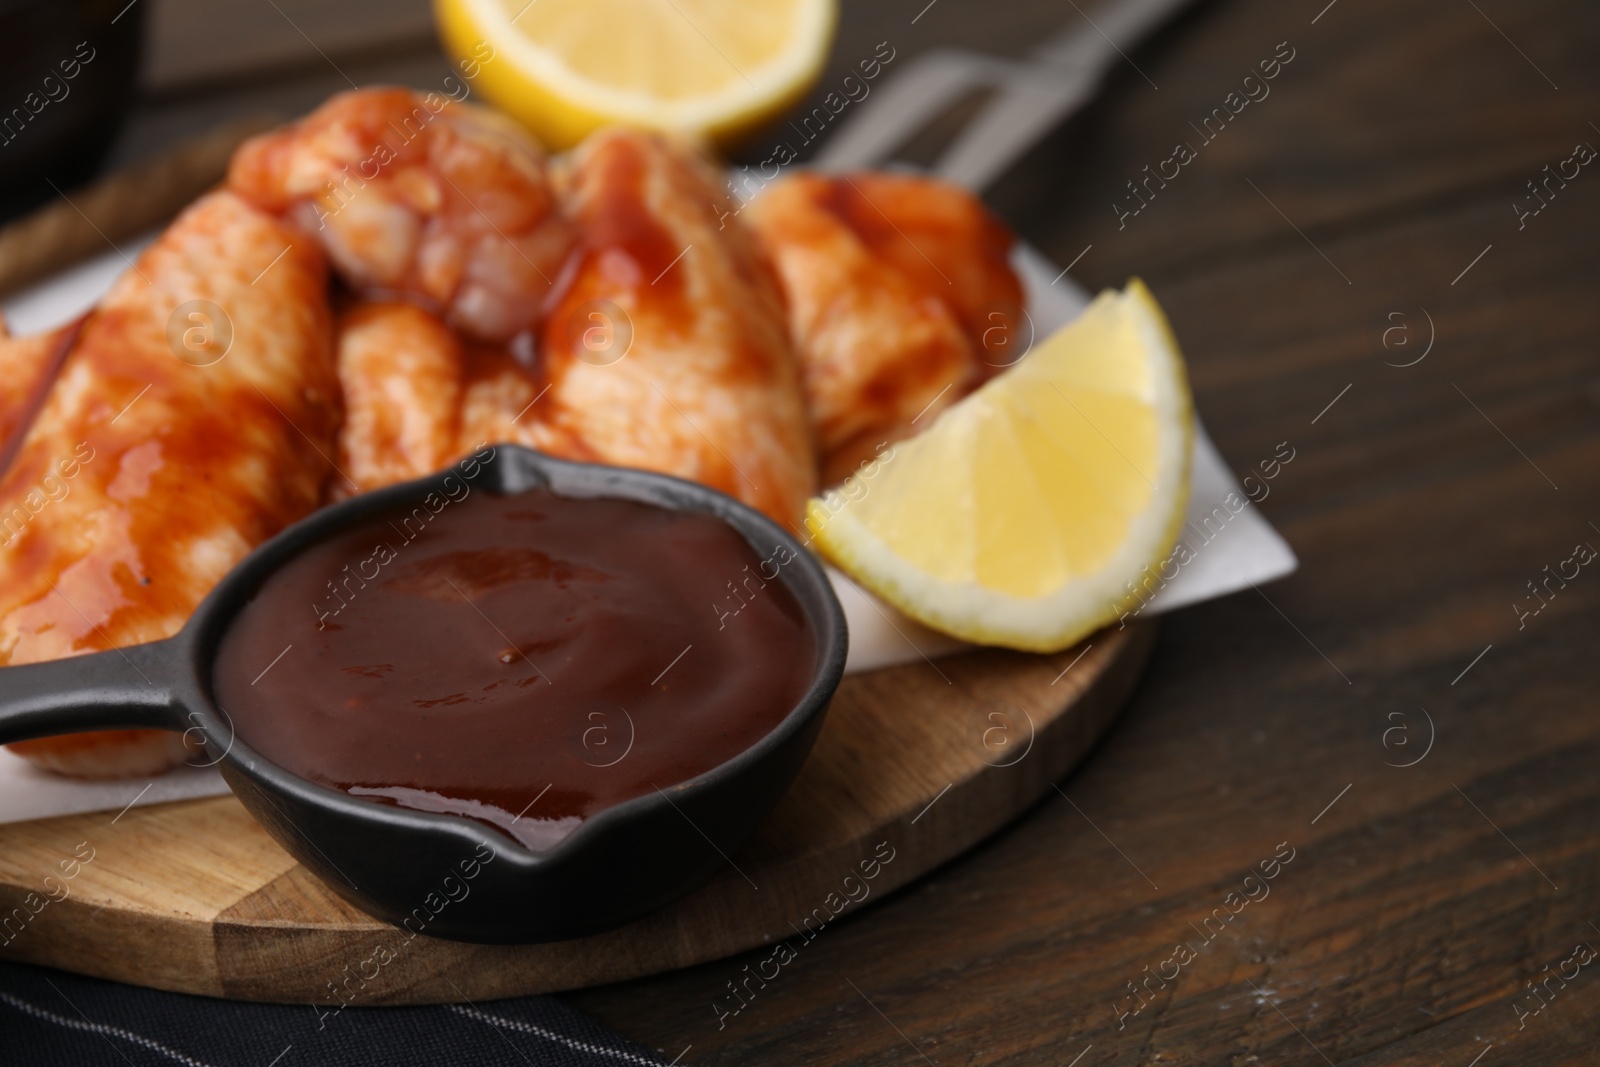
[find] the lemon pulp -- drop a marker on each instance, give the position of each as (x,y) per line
(567,67)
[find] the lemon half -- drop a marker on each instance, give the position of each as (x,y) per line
(568,67)
(1027,512)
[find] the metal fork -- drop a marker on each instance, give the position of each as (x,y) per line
(1032,96)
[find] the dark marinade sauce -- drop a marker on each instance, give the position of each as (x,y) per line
(524,660)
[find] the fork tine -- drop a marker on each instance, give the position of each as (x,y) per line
(1010,124)
(906,103)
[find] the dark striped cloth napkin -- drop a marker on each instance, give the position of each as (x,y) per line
(53,1019)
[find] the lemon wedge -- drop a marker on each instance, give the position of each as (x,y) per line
(568,67)
(1026,513)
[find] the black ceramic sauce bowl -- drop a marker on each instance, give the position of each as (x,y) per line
(446,875)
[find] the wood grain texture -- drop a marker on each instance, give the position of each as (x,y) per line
(918,763)
(1408,924)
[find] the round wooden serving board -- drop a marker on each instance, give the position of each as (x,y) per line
(916,763)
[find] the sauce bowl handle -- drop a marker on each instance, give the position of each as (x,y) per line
(124,688)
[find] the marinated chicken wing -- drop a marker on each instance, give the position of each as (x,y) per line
(417,396)
(192,419)
(27,366)
(667,348)
(890,328)
(499,391)
(942,238)
(400,369)
(419,197)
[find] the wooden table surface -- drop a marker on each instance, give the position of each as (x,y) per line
(1366,206)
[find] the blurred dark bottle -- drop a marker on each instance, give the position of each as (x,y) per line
(67,80)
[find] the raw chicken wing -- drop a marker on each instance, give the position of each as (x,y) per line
(27,366)
(667,348)
(900,299)
(942,238)
(193,418)
(418,197)
(400,370)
